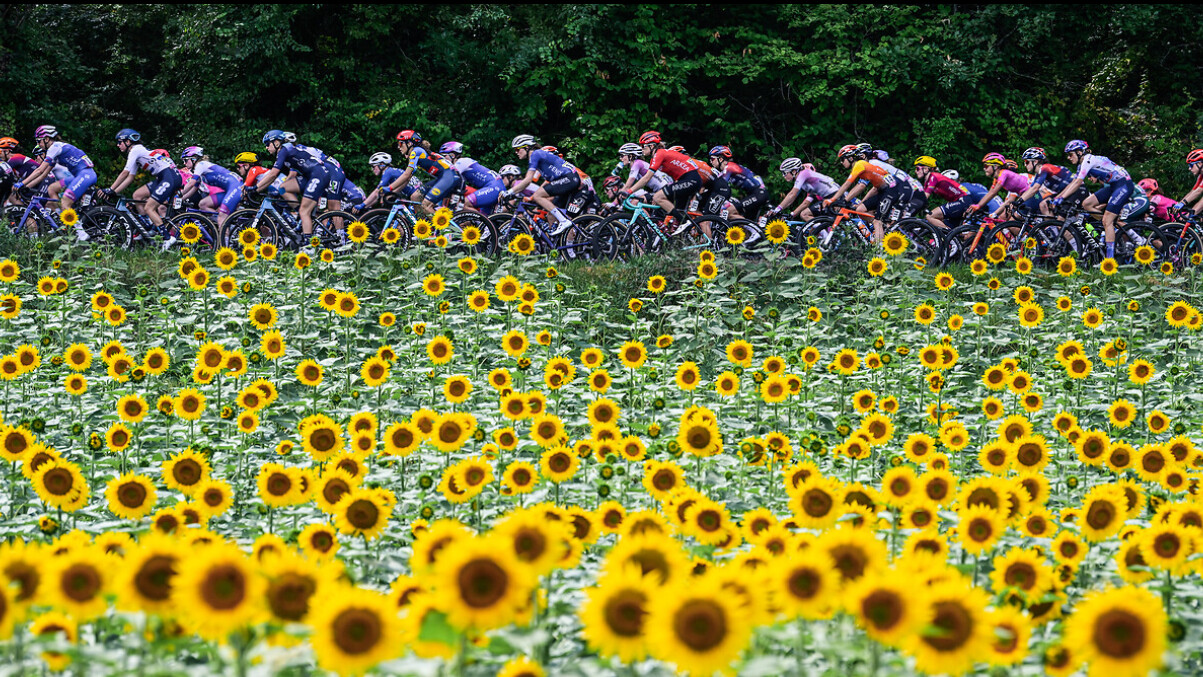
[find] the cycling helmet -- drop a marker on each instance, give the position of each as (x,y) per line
(409,135)
(630,149)
(995,159)
(720,151)
(1034,153)
(551,149)
(1076,146)
(611,182)
(192,151)
(864,148)
(273,135)
(1149,185)
(848,152)
(677,149)
(452,147)
(8,143)
(246,157)
(925,161)
(128,134)
(1011,165)
(790,164)
(806,166)
(380,159)
(1194,156)
(46,132)
(952,174)
(649,137)
(509,170)
(522,141)
(160,152)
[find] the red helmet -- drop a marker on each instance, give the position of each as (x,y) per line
(1149,185)
(409,135)
(159,152)
(611,182)
(8,143)
(551,149)
(1194,156)
(848,152)
(677,149)
(649,137)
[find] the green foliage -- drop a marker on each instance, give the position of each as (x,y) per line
(949,81)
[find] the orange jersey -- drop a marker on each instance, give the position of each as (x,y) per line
(878,177)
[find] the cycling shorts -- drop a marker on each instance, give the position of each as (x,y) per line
(225,200)
(954,212)
(893,200)
(334,189)
(711,200)
(81,182)
(437,190)
(164,185)
(1137,207)
(485,199)
(752,201)
(313,184)
(917,204)
(1116,195)
(565,185)
(683,188)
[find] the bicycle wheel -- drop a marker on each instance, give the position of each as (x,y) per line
(808,234)
(108,227)
(609,237)
(703,233)
(471,233)
(1056,240)
(752,233)
(577,241)
(244,219)
(1183,243)
(331,228)
(1132,236)
(926,242)
(210,234)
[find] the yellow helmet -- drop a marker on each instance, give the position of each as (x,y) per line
(925,161)
(246,157)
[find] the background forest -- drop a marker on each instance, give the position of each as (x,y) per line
(953,81)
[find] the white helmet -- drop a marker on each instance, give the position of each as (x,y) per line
(790,164)
(522,141)
(952,174)
(510,170)
(289,137)
(380,159)
(630,149)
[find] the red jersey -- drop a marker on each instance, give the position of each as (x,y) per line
(675,164)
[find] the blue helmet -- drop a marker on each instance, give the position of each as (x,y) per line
(1077,146)
(720,151)
(128,134)
(274,135)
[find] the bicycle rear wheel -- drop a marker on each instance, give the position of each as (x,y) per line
(926,241)
(208,232)
(1132,236)
(1184,246)
(109,227)
(577,241)
(245,219)
(609,237)
(471,233)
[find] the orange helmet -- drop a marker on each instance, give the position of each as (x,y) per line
(8,143)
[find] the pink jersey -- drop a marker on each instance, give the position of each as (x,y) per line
(943,187)
(1011,181)
(1161,206)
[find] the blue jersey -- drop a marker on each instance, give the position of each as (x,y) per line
(1101,168)
(389,175)
(299,158)
(351,193)
(65,155)
(1053,177)
(474,173)
(742,178)
(433,163)
(549,165)
(215,176)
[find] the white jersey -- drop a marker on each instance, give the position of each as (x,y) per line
(140,158)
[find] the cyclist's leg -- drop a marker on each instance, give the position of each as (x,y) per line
(313,188)
(229,203)
(78,187)
(1118,194)
(334,192)
(937,219)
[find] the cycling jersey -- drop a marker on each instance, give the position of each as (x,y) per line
(955,210)
(21,165)
(252,175)
(879,174)
(299,158)
(1101,168)
(658,180)
(1136,206)
(432,163)
(813,183)
(140,159)
(351,194)
(1011,181)
(1161,205)
(1053,177)
(943,187)
(389,175)
(475,174)
(61,154)
(549,165)
(674,164)
(215,176)
(742,177)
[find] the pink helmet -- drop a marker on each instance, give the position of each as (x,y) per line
(1150,186)
(45,132)
(192,151)
(996,159)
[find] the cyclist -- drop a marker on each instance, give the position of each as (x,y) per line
(220,188)
(486,184)
(444,181)
(1110,199)
(892,192)
(1194,163)
(165,177)
(756,195)
(14,167)
(1047,180)
(80,171)
(945,185)
(382,167)
(1160,205)
(562,179)
(631,155)
(994,167)
(311,169)
(807,181)
(688,177)
(351,197)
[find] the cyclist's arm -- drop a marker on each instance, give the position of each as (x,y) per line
(371,198)
(647,176)
(859,188)
(994,189)
(788,200)
(266,179)
(1193,195)
(124,179)
(35,177)
(839,192)
(189,188)
(1071,188)
(402,180)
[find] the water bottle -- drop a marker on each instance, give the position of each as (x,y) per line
(762,221)
(321,203)
(177,202)
(724,213)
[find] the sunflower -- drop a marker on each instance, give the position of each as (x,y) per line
(739,352)
(220,590)
(632,354)
(877,266)
(450,431)
(698,627)
(10,306)
(925,313)
(361,512)
(131,496)
(60,484)
(1178,314)
(145,579)
(353,629)
(1092,318)
(52,623)
(1121,413)
(1118,631)
(959,632)
(185,471)
(321,437)
(481,584)
(776,231)
(1140,372)
(895,243)
(440,350)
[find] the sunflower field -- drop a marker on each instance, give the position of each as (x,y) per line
(410,462)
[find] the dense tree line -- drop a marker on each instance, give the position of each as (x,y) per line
(953,81)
